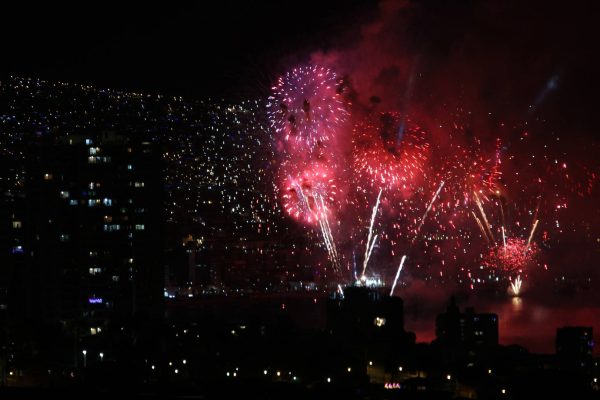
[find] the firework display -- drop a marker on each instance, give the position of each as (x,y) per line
(307,106)
(458,204)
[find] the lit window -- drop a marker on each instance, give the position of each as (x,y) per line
(16,224)
(115,278)
(92,159)
(64,194)
(95,271)
(139,184)
(88,141)
(64,237)
(48,177)
(379,322)
(107,218)
(94,150)
(129,167)
(112,227)
(140,227)
(107,202)
(17,250)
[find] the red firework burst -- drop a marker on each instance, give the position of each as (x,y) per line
(515,257)
(470,175)
(389,150)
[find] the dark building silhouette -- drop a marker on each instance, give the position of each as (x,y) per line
(365,313)
(574,346)
(94,227)
(368,328)
(467,329)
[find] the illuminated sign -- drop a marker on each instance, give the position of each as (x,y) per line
(95,300)
(392,385)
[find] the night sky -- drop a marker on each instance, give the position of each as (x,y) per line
(197,50)
(229,49)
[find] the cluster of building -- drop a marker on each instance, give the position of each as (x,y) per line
(352,344)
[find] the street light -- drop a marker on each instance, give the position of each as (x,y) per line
(84,358)
(101,356)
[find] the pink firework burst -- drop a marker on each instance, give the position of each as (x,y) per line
(389,150)
(311,195)
(307,106)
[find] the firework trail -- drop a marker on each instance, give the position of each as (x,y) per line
(370,251)
(340,290)
(371,243)
(532,232)
(435,196)
(397,274)
(484,216)
(516,285)
(481,228)
(327,236)
(305,198)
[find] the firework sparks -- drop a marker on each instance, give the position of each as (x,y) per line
(303,195)
(397,274)
(515,285)
(305,198)
(515,257)
(307,106)
(390,151)
(371,241)
(535,224)
(484,216)
(435,196)
(431,184)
